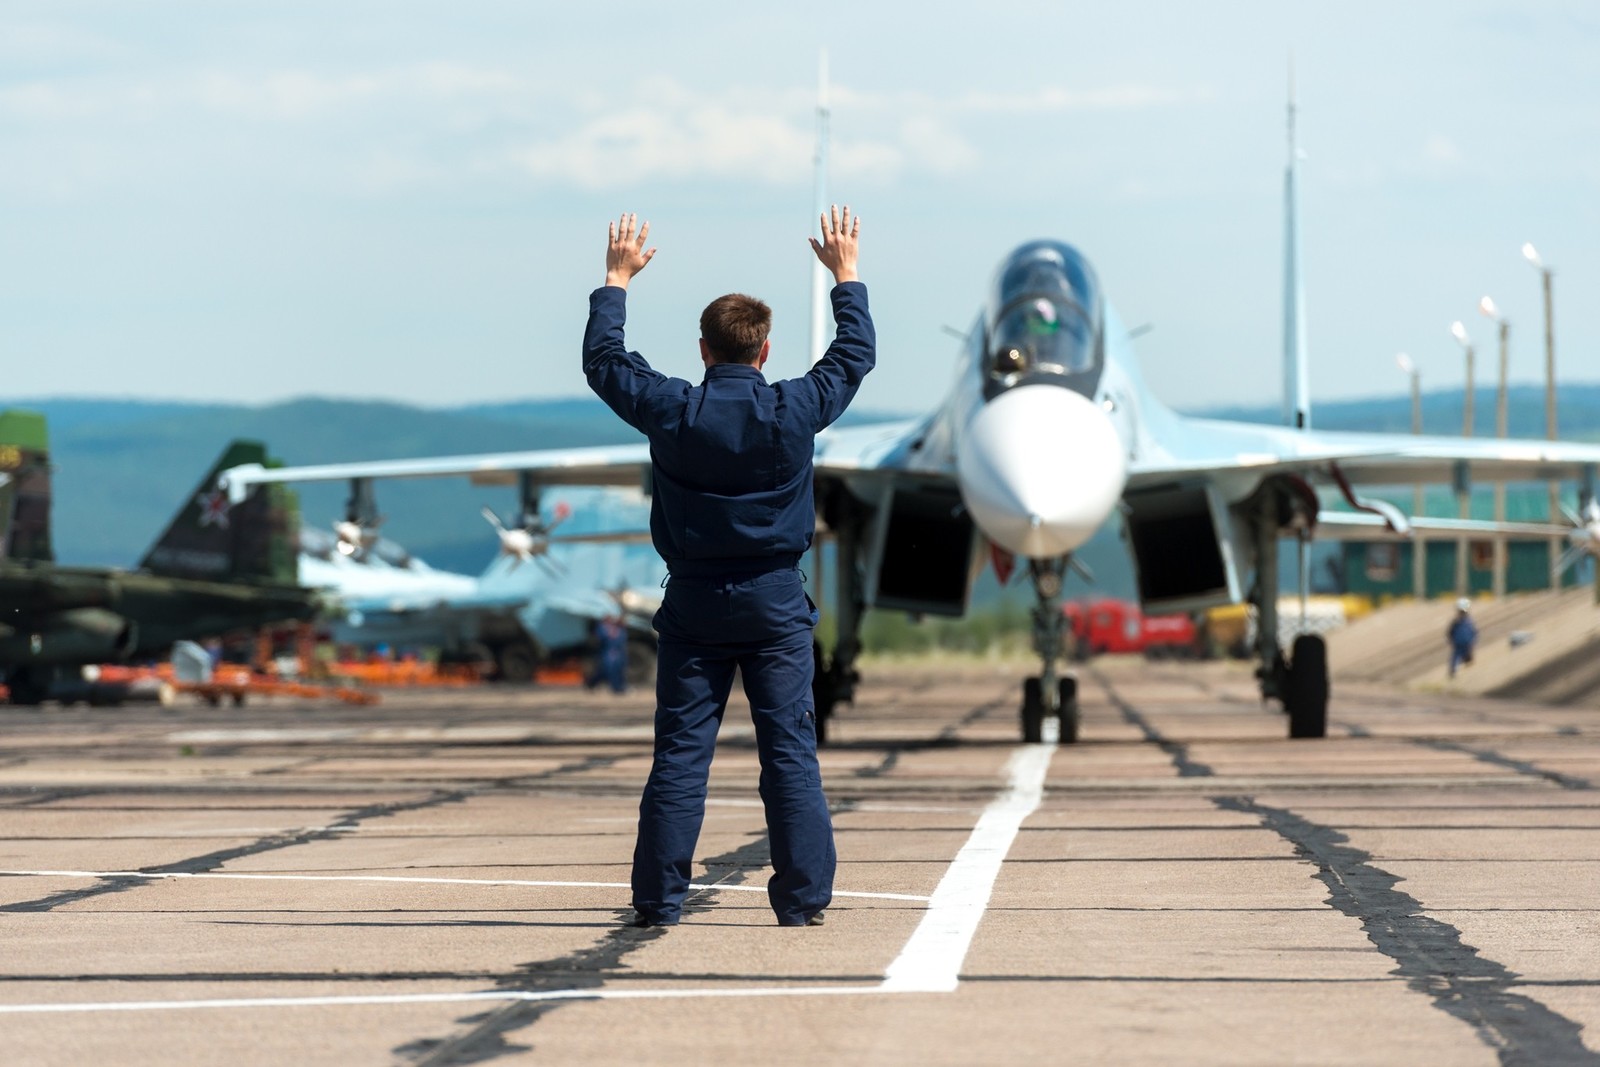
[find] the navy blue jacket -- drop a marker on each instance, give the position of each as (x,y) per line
(730,457)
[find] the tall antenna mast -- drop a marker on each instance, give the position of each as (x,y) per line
(819,275)
(1296,361)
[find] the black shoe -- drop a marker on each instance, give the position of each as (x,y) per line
(810,920)
(641,921)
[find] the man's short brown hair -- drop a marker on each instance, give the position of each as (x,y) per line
(734,326)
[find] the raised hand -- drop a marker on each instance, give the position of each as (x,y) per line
(625,251)
(840,244)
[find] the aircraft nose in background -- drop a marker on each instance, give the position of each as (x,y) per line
(1040,469)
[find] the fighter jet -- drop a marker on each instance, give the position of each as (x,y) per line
(536,603)
(219,567)
(1047,429)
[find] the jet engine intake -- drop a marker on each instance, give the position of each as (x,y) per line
(930,568)
(1183,549)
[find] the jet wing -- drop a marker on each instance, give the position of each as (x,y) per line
(883,449)
(1369,527)
(414,603)
(614,465)
(856,450)
(1211,447)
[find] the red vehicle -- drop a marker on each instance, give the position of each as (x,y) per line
(1118,626)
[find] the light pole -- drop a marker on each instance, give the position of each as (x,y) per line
(1458,330)
(1487,307)
(1532,256)
(1419,547)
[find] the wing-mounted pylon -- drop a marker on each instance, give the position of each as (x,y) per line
(530,541)
(359,530)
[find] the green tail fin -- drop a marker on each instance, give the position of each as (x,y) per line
(253,541)
(24,486)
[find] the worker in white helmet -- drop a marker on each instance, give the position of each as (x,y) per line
(1461,636)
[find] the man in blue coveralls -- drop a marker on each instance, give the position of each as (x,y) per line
(611,656)
(731,514)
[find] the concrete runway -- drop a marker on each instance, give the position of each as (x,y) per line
(440,879)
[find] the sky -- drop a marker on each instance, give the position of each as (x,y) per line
(251,201)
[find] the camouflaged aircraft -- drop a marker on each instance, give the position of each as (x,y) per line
(219,568)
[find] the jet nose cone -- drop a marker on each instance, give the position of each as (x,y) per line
(1040,469)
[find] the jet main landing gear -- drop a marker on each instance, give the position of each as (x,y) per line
(1302,682)
(1305,687)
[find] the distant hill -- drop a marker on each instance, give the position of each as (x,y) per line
(1577,412)
(123,466)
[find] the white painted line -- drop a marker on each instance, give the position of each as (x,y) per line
(440,998)
(155,875)
(1050,730)
(929,963)
(931,960)
(917,809)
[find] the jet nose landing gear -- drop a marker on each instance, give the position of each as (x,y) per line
(1036,709)
(1047,695)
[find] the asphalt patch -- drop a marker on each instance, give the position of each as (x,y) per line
(1428,954)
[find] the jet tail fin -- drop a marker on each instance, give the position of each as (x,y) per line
(25,486)
(819,179)
(212,540)
(1296,360)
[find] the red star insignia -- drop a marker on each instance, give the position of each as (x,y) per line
(213,508)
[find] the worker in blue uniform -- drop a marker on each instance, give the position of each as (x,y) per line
(731,514)
(611,656)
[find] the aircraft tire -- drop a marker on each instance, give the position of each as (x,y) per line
(29,687)
(1068,714)
(516,662)
(822,692)
(1306,688)
(1032,711)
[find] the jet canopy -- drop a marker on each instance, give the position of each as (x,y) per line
(1044,320)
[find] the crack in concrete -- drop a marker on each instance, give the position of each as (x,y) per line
(1175,750)
(586,968)
(1429,954)
(946,737)
(1484,755)
(49,796)
(210,861)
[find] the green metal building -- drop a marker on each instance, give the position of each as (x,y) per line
(1384,569)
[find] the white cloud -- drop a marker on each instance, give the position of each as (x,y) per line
(423,122)
(1441,150)
(38,43)
(1041,100)
(620,148)
(1054,98)
(930,141)
(45,102)
(299,95)
(283,95)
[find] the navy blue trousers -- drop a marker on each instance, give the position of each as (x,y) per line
(707,628)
